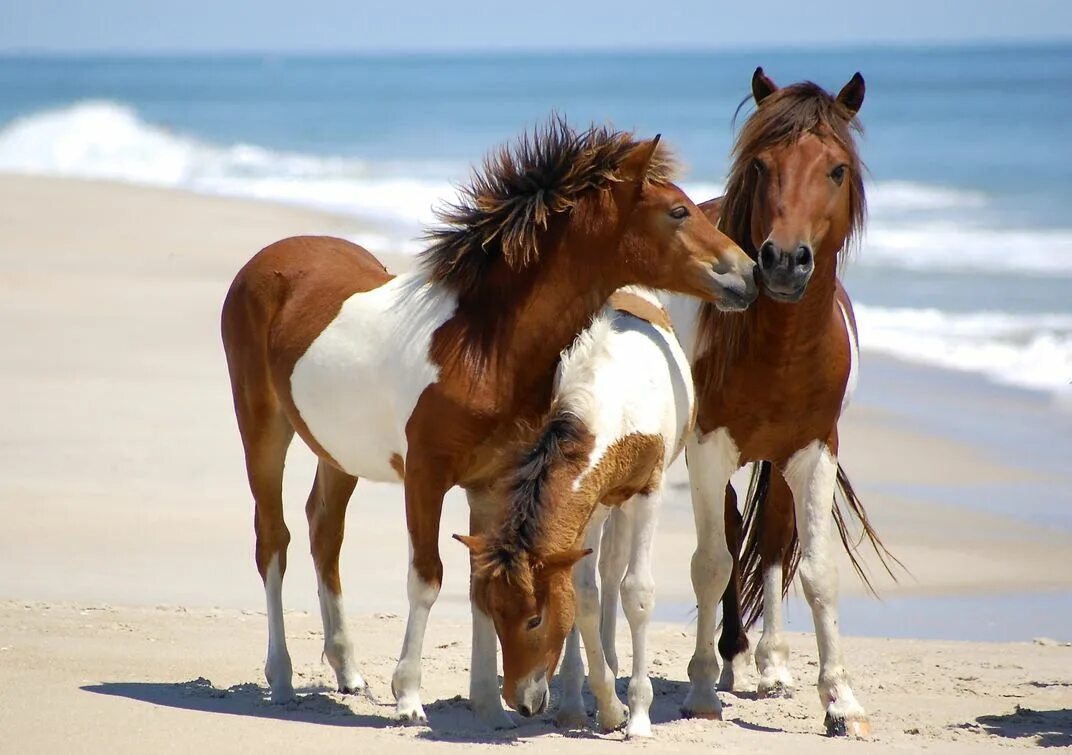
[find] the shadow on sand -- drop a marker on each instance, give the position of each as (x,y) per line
(1051,728)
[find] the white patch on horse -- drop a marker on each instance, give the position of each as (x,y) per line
(277,667)
(338,648)
(854,357)
(358,382)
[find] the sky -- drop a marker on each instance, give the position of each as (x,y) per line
(359,26)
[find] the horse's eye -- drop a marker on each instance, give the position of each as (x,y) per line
(760,166)
(680,212)
(837,175)
(534,622)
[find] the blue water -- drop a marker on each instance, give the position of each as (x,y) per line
(967,261)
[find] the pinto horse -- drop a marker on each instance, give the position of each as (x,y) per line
(771,386)
(620,415)
(422,378)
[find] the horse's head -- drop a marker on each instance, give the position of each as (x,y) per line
(669,243)
(797,167)
(530,601)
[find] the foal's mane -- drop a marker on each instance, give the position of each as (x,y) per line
(510,200)
(784,116)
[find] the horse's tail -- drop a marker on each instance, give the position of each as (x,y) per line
(847,505)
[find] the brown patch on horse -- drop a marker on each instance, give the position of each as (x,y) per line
(399,465)
(641,308)
(506,205)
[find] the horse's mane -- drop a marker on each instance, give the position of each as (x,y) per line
(562,439)
(785,116)
(510,200)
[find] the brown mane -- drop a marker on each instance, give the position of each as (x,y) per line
(510,200)
(783,118)
(563,440)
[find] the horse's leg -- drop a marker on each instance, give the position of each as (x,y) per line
(326,512)
(775,537)
(638,600)
(571,713)
(613,560)
(484,694)
(609,709)
(711,462)
(425,488)
(733,643)
(811,474)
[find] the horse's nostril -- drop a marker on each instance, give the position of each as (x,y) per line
(803,256)
(524,710)
(768,255)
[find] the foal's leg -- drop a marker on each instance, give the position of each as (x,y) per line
(711,461)
(326,512)
(772,650)
(425,488)
(613,560)
(811,474)
(733,643)
(484,694)
(610,711)
(266,434)
(638,599)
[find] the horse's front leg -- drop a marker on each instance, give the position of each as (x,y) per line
(812,474)
(638,599)
(613,560)
(424,506)
(772,650)
(711,461)
(484,694)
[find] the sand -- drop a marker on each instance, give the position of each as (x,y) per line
(126,569)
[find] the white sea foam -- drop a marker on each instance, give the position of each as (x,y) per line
(1027,350)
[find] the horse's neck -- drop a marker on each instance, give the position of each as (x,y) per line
(778,327)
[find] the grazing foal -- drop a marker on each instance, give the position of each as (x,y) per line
(771,384)
(620,414)
(422,378)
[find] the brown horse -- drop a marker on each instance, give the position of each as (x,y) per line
(423,377)
(771,384)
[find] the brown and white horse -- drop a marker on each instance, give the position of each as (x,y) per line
(423,377)
(772,383)
(622,409)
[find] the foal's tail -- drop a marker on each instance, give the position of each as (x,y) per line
(847,506)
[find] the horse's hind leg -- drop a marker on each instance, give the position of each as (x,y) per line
(638,600)
(266,434)
(772,650)
(733,643)
(326,512)
(811,474)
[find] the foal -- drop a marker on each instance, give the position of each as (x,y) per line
(421,378)
(621,411)
(772,383)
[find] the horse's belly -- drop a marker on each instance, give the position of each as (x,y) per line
(359,381)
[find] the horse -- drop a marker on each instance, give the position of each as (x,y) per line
(600,449)
(422,378)
(771,385)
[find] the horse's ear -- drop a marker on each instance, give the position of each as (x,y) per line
(562,560)
(851,95)
(475,543)
(635,165)
(762,86)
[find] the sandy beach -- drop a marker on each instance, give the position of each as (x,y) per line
(131,613)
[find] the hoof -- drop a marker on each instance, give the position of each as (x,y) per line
(494,718)
(708,715)
(639,728)
(614,717)
(410,713)
(856,727)
(702,705)
(281,695)
(774,689)
(571,718)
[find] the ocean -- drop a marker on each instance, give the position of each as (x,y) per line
(967,259)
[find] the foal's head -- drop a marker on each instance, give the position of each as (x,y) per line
(795,194)
(531,601)
(593,205)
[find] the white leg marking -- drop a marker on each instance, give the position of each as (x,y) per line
(711,462)
(484,674)
(610,711)
(277,667)
(811,474)
(772,650)
(338,648)
(571,712)
(406,682)
(638,599)
(613,560)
